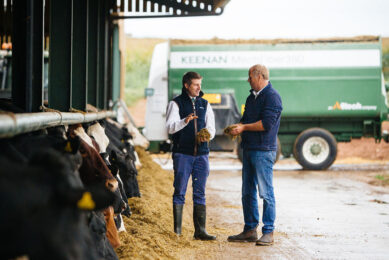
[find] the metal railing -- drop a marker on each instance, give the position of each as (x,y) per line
(14,124)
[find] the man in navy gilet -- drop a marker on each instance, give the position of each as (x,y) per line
(186,115)
(258,128)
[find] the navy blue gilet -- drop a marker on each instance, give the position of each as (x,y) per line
(184,141)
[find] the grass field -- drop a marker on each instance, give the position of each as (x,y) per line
(138,58)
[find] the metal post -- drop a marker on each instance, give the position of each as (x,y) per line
(60,58)
(116,60)
(79,54)
(102,43)
(92,56)
(27,54)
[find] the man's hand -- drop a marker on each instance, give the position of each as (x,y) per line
(203,136)
(236,129)
(203,139)
(190,117)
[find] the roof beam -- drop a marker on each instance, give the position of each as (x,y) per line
(183,8)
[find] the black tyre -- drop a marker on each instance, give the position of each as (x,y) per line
(240,151)
(315,149)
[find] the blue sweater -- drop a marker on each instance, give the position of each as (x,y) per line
(266,107)
(184,141)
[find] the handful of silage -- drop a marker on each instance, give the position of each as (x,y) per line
(227,131)
(203,134)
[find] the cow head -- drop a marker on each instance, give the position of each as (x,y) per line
(93,169)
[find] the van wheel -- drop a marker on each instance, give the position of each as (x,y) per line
(240,151)
(315,149)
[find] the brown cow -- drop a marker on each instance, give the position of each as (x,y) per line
(112,232)
(93,168)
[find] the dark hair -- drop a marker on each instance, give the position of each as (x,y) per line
(187,78)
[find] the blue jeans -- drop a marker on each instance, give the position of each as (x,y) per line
(184,166)
(258,172)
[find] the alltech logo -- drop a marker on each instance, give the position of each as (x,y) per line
(348,106)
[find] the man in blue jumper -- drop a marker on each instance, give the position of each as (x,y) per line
(186,115)
(258,128)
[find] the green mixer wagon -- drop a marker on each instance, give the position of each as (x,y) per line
(332,90)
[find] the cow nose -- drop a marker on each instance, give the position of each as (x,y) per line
(112,185)
(124,205)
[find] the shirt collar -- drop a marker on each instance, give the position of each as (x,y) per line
(256,93)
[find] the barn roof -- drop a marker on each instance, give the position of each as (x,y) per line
(168,8)
(126,9)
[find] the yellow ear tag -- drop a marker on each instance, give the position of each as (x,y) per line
(68,147)
(122,140)
(86,202)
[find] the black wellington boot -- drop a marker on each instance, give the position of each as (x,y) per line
(199,216)
(177,214)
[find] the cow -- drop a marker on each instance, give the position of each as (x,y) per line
(127,172)
(122,156)
(98,227)
(94,170)
(43,208)
(97,133)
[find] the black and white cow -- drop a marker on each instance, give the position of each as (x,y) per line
(123,157)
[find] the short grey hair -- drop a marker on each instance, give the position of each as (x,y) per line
(259,69)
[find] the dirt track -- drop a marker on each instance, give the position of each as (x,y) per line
(320,215)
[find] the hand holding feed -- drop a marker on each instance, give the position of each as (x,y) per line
(236,129)
(203,136)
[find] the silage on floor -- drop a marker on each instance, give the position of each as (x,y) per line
(150,228)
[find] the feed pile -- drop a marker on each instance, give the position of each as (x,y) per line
(150,228)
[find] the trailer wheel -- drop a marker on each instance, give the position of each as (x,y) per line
(240,151)
(315,149)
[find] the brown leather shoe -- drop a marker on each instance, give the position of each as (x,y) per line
(265,240)
(245,236)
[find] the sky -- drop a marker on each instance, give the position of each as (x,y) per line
(270,19)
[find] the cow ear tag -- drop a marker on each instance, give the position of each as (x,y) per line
(86,201)
(68,147)
(122,140)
